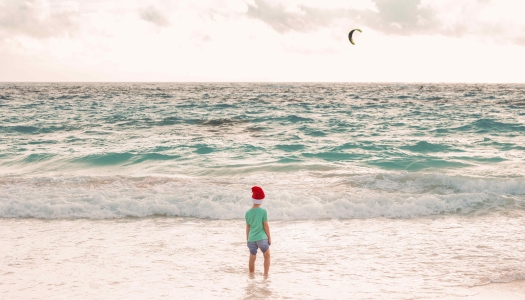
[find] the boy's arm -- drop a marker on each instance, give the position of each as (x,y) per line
(267,229)
(247,231)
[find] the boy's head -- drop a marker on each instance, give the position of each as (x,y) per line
(257,195)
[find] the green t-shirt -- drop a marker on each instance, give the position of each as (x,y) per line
(255,217)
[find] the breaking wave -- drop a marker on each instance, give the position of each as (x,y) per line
(391,195)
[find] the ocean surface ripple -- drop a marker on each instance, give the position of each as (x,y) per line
(112,150)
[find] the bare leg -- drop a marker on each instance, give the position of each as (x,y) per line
(251,264)
(266,262)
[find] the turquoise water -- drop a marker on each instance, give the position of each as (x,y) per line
(110,150)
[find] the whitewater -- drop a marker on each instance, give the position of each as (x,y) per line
(417,190)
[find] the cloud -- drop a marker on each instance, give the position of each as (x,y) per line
(520,40)
(36,18)
(392,17)
(397,17)
(152,15)
(305,20)
(403,17)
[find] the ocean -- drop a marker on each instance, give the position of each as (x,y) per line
(373,190)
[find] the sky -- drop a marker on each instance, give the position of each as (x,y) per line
(473,41)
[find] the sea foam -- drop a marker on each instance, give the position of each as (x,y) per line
(391,195)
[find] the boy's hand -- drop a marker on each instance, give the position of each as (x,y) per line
(269,241)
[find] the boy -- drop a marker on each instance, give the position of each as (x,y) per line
(258,231)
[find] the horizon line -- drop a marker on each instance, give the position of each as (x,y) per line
(204,82)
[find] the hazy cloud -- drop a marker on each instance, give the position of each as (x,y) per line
(399,17)
(35,18)
(520,40)
(307,19)
(152,15)
(392,17)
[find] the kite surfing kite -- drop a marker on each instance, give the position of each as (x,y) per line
(350,35)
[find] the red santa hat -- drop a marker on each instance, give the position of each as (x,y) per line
(257,195)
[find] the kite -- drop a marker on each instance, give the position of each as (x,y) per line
(350,35)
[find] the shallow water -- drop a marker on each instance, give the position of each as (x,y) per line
(158,258)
